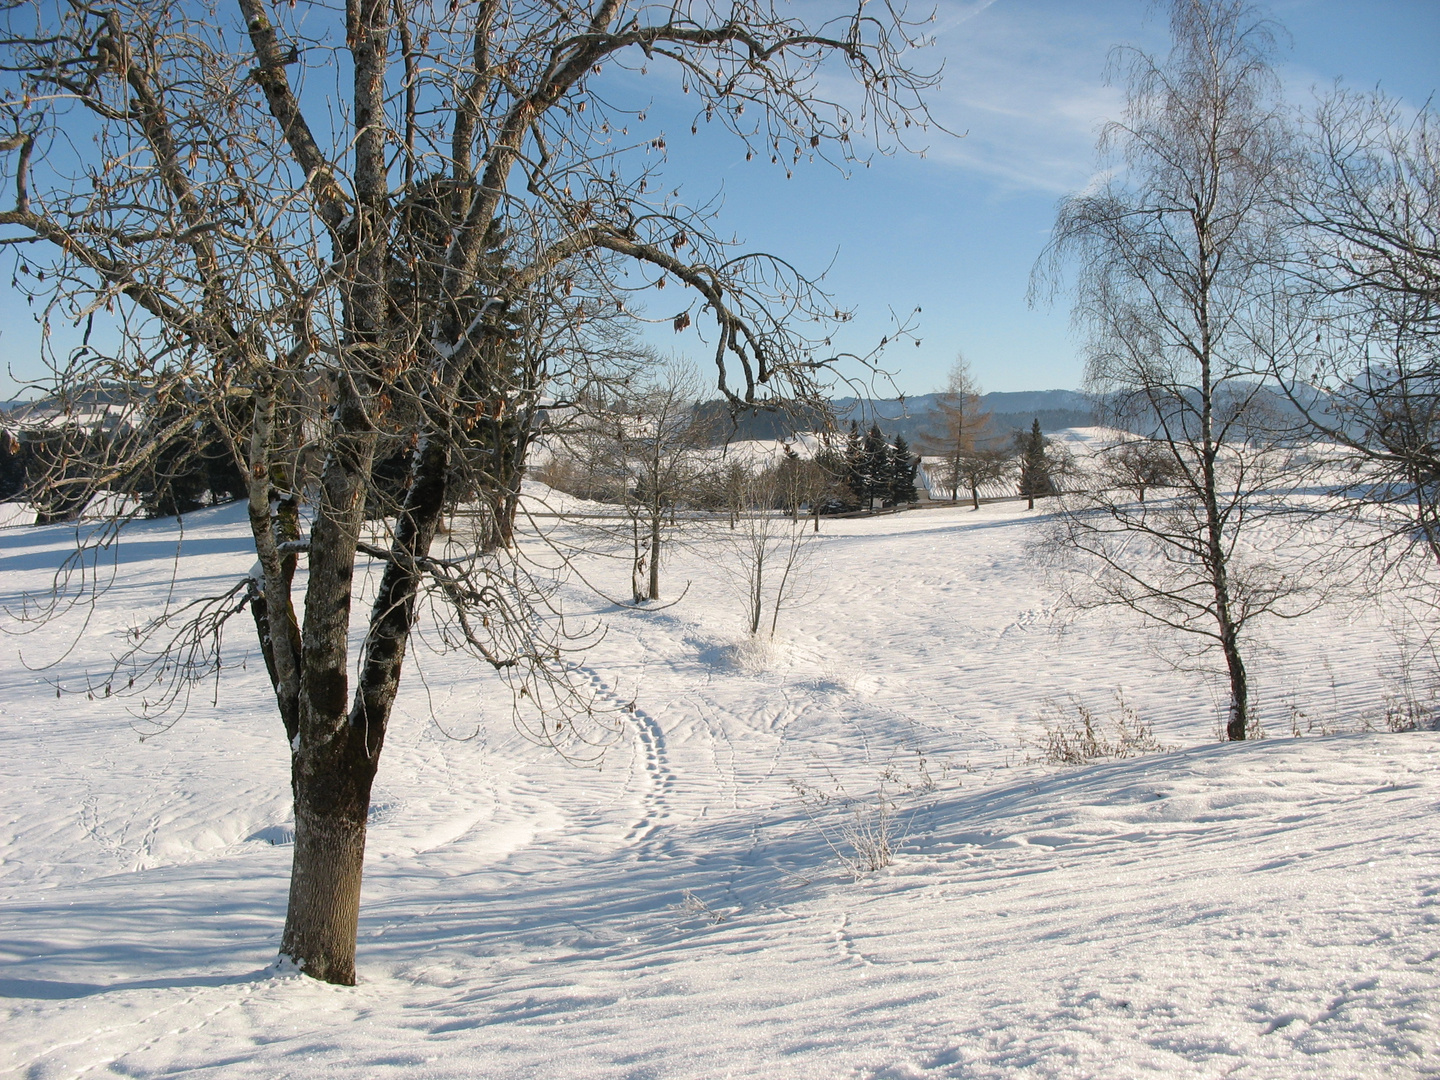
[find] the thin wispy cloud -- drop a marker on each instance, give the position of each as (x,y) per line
(952,15)
(1024,84)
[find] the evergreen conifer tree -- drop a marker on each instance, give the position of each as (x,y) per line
(855,477)
(903,467)
(196,467)
(12,466)
(1035,478)
(832,481)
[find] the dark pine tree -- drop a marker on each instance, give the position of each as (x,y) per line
(12,467)
(787,473)
(837,495)
(902,470)
(875,468)
(223,474)
(1035,478)
(195,467)
(855,474)
(175,482)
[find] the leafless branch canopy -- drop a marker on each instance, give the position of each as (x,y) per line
(1174,247)
(369,247)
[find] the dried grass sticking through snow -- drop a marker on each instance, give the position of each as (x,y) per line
(865,830)
(1074,735)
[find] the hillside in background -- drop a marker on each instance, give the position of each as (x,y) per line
(1014,411)
(913,417)
(1057,410)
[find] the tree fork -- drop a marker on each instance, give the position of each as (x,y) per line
(331,782)
(393,613)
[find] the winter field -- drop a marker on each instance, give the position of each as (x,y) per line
(685,910)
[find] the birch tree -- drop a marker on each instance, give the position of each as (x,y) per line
(1356,343)
(1172,245)
(660,438)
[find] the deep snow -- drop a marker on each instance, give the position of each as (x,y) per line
(1266,910)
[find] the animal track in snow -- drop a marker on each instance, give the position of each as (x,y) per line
(654,764)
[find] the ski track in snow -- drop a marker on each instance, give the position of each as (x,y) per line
(1259,911)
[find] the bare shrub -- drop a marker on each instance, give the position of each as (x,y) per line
(766,556)
(1074,735)
(865,830)
(1407,714)
(1412,702)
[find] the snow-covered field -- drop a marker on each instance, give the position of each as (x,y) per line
(1263,910)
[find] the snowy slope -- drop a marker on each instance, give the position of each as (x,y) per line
(1266,910)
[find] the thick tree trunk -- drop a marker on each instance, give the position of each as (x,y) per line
(512,452)
(331,794)
(334,758)
(638,551)
(320,924)
(491,537)
(509,506)
(655,556)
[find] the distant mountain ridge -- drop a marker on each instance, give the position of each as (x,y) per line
(1009,411)
(1004,401)
(913,417)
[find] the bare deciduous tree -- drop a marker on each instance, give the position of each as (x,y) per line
(1137,465)
(1173,244)
(982,467)
(1356,345)
(324,228)
(768,555)
(962,429)
(800,481)
(659,438)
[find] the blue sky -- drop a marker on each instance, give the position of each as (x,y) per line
(956,232)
